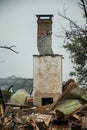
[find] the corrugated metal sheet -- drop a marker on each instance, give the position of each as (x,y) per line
(72,99)
(68,106)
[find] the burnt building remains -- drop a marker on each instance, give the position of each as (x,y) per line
(47,83)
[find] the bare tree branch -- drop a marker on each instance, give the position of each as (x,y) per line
(76,43)
(76,30)
(84,7)
(9,48)
(67,18)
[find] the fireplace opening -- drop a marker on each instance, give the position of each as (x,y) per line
(46,101)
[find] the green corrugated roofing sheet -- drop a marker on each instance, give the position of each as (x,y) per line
(77,92)
(69,106)
(75,98)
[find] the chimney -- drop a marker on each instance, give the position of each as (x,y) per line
(44,34)
(47,67)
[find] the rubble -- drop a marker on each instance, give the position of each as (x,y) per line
(68,113)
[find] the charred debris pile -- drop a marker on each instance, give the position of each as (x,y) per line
(67,113)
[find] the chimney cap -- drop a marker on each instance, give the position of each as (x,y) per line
(44,15)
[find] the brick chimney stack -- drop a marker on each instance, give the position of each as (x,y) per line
(44,34)
(47,67)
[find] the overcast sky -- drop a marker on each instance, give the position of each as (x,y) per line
(18,26)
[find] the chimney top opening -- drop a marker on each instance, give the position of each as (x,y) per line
(44,16)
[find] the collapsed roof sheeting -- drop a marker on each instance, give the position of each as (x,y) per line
(71,100)
(68,106)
